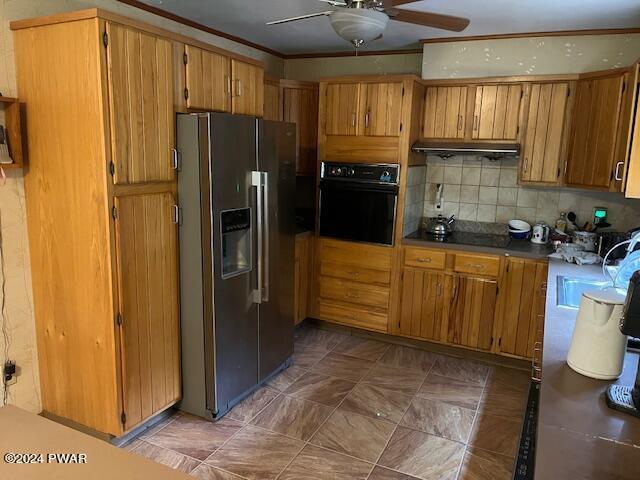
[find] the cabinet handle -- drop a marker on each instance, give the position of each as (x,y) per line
(238,88)
(477,266)
(352,295)
(459,122)
(424,260)
(526,164)
(475,123)
(366,120)
(176,159)
(353,119)
(355,274)
(227,88)
(176,215)
(616,175)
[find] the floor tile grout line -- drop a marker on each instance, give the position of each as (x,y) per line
(475,418)
(169,450)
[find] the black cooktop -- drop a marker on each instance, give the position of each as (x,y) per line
(464,238)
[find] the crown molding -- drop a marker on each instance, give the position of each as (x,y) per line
(556,33)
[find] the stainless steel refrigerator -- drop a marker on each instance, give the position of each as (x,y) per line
(236,187)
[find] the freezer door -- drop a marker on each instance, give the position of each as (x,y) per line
(276,159)
(232,159)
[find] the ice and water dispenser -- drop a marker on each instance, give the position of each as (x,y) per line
(235,232)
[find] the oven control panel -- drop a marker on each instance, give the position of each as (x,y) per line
(360,172)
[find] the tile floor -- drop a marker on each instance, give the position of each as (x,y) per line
(352,408)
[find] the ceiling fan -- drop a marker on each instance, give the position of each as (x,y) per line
(360,21)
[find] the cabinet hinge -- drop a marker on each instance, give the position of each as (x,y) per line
(186,94)
(105,39)
(114,212)
(558,173)
(119,319)
(518,130)
(624,86)
(123,418)
(491,341)
(500,342)
(403,91)
(400,126)
(568,92)
(112,168)
(185,58)
(521,93)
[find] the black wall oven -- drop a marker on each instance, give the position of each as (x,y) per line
(358,202)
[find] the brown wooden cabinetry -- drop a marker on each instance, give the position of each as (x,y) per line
(101,192)
(303,256)
(382,109)
(545,137)
(341,108)
(497,112)
(216,82)
(632,180)
(272,100)
(523,301)
(425,304)
(208,80)
(300,106)
(445,112)
(592,144)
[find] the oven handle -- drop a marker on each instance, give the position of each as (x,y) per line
(359,187)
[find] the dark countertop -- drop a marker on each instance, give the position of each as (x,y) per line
(578,435)
(498,245)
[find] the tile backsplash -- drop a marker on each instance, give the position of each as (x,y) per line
(414,199)
(478,189)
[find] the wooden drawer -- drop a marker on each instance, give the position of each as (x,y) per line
(421,258)
(353,316)
(348,253)
(477,264)
(355,272)
(353,292)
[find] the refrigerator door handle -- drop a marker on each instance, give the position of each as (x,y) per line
(266,235)
(257,181)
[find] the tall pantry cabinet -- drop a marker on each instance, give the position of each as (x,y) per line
(101,210)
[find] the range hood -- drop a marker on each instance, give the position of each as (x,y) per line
(481,149)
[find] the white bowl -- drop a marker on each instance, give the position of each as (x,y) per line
(519,225)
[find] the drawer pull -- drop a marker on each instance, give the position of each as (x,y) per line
(353,295)
(477,266)
(424,260)
(355,274)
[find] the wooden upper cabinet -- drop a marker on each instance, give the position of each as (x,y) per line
(497,112)
(424,304)
(632,189)
(142,117)
(445,112)
(148,301)
(247,88)
(594,131)
(341,108)
(381,108)
(472,311)
(272,100)
(300,106)
(208,80)
(524,294)
(543,148)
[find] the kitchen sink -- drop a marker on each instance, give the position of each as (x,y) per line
(570,290)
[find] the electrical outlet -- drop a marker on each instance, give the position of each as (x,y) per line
(10,373)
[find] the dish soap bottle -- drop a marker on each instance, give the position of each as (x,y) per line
(561,223)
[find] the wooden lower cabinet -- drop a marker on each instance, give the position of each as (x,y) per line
(500,311)
(302,276)
(473,306)
(146,247)
(523,299)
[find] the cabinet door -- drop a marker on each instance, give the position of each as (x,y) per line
(148,297)
(594,132)
(142,117)
(497,112)
(301,108)
(545,133)
(341,109)
(471,318)
(632,189)
(445,112)
(524,291)
(423,303)
(248,89)
(272,101)
(208,80)
(382,109)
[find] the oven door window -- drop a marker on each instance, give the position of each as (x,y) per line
(356,212)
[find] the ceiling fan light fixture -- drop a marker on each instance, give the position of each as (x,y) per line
(358,25)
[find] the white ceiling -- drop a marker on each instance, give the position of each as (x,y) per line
(247,18)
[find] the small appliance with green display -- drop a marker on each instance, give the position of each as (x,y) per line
(599,215)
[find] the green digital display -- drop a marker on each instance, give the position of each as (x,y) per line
(599,214)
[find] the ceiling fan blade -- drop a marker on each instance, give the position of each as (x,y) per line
(301,17)
(335,3)
(435,20)
(395,3)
